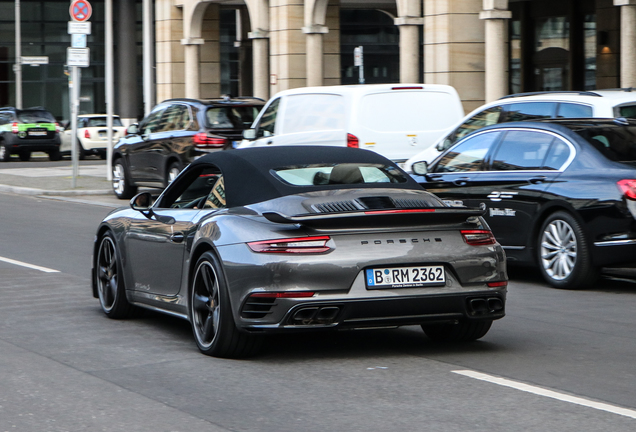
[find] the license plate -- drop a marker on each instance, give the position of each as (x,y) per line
(405,277)
(37,132)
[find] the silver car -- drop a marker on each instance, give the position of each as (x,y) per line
(255,241)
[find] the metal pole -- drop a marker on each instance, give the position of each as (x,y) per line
(361,68)
(18,56)
(109,89)
(148,60)
(74,107)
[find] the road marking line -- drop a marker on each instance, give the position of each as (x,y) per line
(548,393)
(31,266)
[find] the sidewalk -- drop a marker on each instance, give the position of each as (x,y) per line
(55,181)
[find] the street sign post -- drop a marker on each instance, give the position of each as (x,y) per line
(80,10)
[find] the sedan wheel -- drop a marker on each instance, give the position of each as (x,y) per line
(109,280)
(122,188)
(564,258)
(211,316)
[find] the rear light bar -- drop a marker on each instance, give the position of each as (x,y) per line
(286,294)
(497,284)
(352,141)
(202,140)
(478,237)
(292,245)
(14,127)
(408,88)
(399,211)
(628,187)
(87,134)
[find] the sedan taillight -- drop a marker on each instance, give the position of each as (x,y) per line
(628,187)
(202,140)
(352,141)
(87,134)
(292,245)
(284,294)
(478,237)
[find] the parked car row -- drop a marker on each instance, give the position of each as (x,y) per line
(23,131)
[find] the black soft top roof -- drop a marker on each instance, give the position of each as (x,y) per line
(248,179)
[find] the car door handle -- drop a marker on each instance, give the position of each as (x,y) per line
(537,179)
(177,238)
(433,177)
(462,181)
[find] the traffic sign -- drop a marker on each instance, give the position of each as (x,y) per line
(80,10)
(78,57)
(79,27)
(78,40)
(35,60)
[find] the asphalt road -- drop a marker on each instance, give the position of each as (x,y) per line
(567,357)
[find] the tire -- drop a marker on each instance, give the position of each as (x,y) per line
(80,150)
(121,186)
(563,253)
(210,314)
(54,155)
(5,154)
(109,280)
(464,331)
(25,156)
(173,170)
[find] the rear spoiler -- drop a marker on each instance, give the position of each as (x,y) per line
(378,218)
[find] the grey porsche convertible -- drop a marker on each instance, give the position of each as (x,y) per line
(254,241)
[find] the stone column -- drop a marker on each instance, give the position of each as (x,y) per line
(409,48)
(495,14)
(192,60)
(315,62)
(628,42)
(260,62)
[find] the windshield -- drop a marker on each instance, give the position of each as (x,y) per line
(101,122)
(35,116)
(231,117)
(616,143)
(344,174)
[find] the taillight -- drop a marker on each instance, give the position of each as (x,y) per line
(285,294)
(87,134)
(478,237)
(202,140)
(497,284)
(14,127)
(352,141)
(292,245)
(628,187)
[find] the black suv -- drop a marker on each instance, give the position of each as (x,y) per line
(176,132)
(23,131)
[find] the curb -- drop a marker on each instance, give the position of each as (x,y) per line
(68,192)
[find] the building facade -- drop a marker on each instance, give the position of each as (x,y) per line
(205,48)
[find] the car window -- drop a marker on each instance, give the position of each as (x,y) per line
(175,118)
(268,120)
(152,123)
(469,154)
(200,188)
(522,150)
(35,116)
(572,110)
(482,119)
(313,112)
(628,111)
(617,143)
(229,117)
(344,173)
(529,111)
(557,155)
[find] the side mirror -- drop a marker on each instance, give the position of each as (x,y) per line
(141,202)
(249,134)
(133,129)
(420,168)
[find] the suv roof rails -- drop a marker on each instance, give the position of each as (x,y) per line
(36,107)
(7,108)
(576,92)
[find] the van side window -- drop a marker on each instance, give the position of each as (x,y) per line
(314,112)
(482,119)
(267,123)
(572,110)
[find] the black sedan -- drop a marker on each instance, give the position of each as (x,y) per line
(176,132)
(559,194)
(263,240)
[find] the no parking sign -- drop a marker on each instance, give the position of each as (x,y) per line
(80,10)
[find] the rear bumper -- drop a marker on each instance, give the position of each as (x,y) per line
(15,145)
(614,252)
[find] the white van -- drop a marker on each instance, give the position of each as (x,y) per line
(395,120)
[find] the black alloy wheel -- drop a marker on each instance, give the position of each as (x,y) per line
(81,151)
(463,331)
(121,186)
(110,281)
(563,253)
(25,156)
(210,314)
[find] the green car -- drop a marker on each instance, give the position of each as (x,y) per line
(23,131)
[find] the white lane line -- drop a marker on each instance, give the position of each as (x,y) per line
(31,266)
(548,393)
